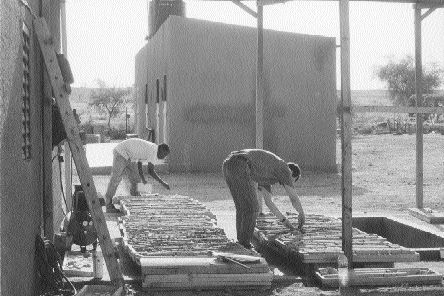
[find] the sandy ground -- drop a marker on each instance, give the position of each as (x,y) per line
(383,183)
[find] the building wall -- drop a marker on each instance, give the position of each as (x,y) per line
(20,179)
(211,93)
(150,74)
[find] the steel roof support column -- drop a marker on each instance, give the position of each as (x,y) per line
(419,117)
(259,78)
(346,132)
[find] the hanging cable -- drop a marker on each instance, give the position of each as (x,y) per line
(60,160)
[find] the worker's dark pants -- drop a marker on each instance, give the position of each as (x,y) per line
(243,191)
(121,167)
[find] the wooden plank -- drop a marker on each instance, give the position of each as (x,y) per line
(90,290)
(419,117)
(346,132)
(184,281)
(67,149)
(423,2)
(260,78)
(428,215)
(50,10)
(396,109)
(62,99)
(197,265)
(329,277)
(245,7)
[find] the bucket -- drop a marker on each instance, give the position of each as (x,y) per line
(97,259)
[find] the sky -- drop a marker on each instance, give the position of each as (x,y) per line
(103,37)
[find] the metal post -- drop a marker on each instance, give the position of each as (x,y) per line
(126,120)
(259,79)
(346,130)
(419,118)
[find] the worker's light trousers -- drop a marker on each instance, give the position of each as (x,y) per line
(242,188)
(122,166)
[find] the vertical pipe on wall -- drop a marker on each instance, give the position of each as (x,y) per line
(157,136)
(419,118)
(146,106)
(165,123)
(346,129)
(259,78)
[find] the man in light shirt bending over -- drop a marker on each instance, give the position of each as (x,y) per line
(126,154)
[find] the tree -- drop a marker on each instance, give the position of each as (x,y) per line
(400,78)
(109,101)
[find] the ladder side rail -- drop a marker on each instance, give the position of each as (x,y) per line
(77,149)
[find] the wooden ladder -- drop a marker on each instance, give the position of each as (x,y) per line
(61,96)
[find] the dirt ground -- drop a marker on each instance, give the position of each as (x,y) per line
(383,183)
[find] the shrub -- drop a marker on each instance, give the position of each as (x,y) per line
(116,134)
(87,127)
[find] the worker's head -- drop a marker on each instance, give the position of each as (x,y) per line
(162,151)
(295,170)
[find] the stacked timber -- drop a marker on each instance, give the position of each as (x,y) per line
(177,243)
(330,277)
(321,241)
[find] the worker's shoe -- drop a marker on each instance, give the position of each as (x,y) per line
(112,209)
(247,245)
(134,193)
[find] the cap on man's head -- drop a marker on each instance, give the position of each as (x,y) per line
(295,170)
(163,147)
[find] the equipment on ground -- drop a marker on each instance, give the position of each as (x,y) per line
(49,270)
(78,223)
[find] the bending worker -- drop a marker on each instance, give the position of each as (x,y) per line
(242,170)
(126,154)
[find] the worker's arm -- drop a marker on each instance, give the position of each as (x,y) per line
(153,174)
(139,166)
(259,198)
(296,204)
(273,208)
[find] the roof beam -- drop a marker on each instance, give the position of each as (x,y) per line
(270,2)
(245,7)
(427,13)
(422,3)
(431,5)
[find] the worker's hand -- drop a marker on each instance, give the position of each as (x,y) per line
(166,186)
(288,224)
(144,182)
(301,220)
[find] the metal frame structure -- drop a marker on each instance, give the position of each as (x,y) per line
(346,109)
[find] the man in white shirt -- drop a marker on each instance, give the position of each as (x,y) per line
(126,154)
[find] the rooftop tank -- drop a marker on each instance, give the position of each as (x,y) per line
(160,10)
